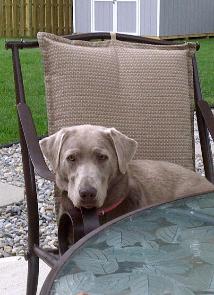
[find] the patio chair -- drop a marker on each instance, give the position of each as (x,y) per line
(146,88)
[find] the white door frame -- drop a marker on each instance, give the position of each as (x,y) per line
(74,16)
(158,18)
(115,15)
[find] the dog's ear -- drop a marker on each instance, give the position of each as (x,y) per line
(51,147)
(125,148)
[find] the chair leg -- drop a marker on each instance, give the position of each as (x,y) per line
(30,185)
(33,221)
(32,276)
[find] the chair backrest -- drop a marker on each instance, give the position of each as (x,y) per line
(145,91)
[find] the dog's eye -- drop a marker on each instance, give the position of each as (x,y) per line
(102,157)
(71,158)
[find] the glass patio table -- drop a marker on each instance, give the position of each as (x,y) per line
(161,250)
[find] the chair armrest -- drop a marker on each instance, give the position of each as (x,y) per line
(33,147)
(207,116)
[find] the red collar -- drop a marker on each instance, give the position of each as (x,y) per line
(103,211)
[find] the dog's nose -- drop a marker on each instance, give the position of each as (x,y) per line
(88,193)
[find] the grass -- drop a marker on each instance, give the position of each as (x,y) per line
(34,85)
(205,60)
(34,88)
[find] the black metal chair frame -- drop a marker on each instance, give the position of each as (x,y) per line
(82,221)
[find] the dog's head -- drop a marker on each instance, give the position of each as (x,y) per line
(86,159)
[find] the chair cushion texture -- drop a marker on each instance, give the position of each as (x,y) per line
(145,91)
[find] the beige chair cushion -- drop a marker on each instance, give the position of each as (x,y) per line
(145,91)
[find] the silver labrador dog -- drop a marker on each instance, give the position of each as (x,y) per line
(94,166)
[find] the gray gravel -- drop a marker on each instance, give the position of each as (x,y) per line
(13,219)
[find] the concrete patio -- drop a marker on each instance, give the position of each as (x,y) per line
(13,269)
(13,272)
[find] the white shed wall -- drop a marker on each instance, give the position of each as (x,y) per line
(186,17)
(148,17)
(176,17)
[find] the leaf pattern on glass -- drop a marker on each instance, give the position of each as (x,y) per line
(205,252)
(182,218)
(142,225)
(139,284)
(201,234)
(200,279)
(169,267)
(110,284)
(149,244)
(169,234)
(147,269)
(206,211)
(95,261)
(102,237)
(74,283)
(164,250)
(201,202)
(134,254)
(163,285)
(193,204)
(158,283)
(128,235)
(137,230)
(121,238)
(166,268)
